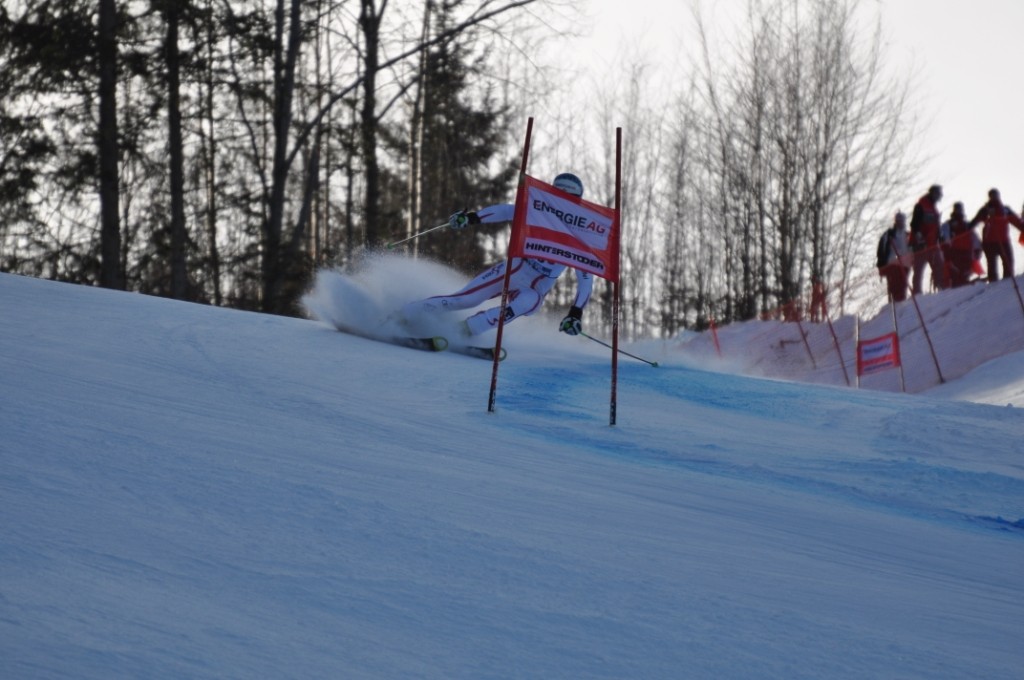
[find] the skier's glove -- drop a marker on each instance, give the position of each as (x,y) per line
(460,219)
(571,324)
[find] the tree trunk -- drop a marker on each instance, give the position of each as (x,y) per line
(179,236)
(369,22)
(275,266)
(210,171)
(416,125)
(111,270)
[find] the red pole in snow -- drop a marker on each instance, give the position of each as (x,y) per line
(615,299)
(508,275)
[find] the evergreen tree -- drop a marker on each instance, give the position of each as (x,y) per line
(463,141)
(45,51)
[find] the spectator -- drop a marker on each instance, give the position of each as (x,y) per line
(924,234)
(894,258)
(977,268)
(959,236)
(945,244)
(995,235)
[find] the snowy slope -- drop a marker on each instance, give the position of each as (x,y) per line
(198,492)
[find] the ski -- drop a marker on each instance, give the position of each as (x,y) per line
(432,344)
(478,352)
(435,343)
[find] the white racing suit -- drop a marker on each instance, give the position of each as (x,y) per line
(531,279)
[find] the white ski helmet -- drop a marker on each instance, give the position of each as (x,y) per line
(569,183)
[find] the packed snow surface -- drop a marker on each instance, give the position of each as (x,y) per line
(194,492)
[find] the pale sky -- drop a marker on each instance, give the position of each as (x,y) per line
(966,55)
(969,57)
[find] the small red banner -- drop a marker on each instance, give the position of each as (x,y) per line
(878,354)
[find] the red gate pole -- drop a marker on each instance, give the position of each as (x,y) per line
(1017,288)
(839,352)
(508,275)
(615,285)
(896,327)
(714,336)
(856,347)
(807,345)
(927,337)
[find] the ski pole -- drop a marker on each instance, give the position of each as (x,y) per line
(417,235)
(621,351)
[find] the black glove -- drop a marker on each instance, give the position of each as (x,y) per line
(460,219)
(571,323)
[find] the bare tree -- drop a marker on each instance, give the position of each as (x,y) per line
(279,258)
(808,144)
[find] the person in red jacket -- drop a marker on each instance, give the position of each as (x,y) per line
(924,239)
(961,246)
(995,235)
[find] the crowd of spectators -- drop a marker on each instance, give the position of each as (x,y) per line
(951,251)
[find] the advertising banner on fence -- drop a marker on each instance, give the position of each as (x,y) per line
(552,225)
(878,354)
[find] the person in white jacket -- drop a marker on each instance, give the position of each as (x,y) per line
(530,280)
(895,258)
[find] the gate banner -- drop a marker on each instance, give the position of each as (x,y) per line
(552,225)
(878,354)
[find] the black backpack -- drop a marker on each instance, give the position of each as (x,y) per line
(883,248)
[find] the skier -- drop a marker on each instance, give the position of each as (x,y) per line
(530,281)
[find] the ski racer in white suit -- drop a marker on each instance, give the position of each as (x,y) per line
(530,281)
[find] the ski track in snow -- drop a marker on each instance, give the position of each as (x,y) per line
(896,477)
